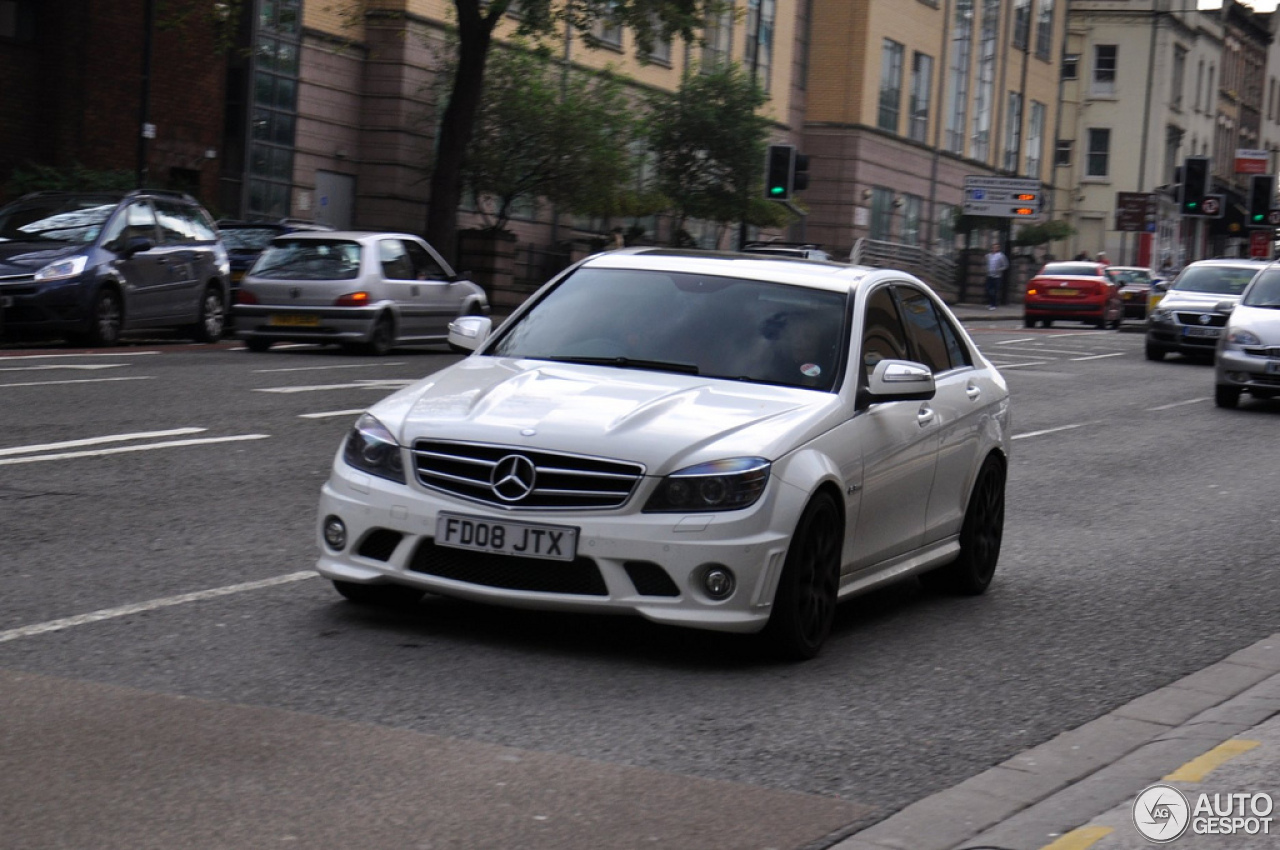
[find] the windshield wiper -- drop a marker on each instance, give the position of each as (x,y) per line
(630,363)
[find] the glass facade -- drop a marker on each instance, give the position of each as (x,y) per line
(273,110)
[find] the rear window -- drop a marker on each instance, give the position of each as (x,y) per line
(1123,276)
(309,259)
(248,238)
(1070,269)
(1217,280)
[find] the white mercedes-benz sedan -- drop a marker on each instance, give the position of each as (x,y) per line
(720,441)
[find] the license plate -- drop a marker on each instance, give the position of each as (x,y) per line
(1212,333)
(524,539)
(1064,292)
(291,321)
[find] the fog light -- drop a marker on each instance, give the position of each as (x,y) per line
(718,582)
(335,533)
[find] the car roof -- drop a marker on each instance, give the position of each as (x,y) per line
(1242,262)
(819,274)
(347,235)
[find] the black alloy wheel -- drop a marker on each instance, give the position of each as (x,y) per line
(1226,396)
(804,606)
(980,536)
(383,338)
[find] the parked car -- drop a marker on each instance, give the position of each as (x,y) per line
(1074,291)
(1188,319)
(1135,286)
(246,240)
(364,290)
(727,442)
(91,266)
(803,250)
(1249,349)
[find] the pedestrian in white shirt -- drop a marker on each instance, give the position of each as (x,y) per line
(997,262)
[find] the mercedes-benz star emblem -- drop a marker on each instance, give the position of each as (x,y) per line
(513,478)
(1205,318)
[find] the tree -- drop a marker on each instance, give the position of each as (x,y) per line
(543,131)
(710,145)
(649,20)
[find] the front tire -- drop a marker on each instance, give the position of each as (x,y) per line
(106,319)
(1226,396)
(1153,353)
(980,536)
(804,606)
(258,344)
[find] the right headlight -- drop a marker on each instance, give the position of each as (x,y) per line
(371,448)
(1240,336)
(726,485)
(62,269)
(1162,316)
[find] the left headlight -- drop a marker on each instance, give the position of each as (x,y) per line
(1239,336)
(1161,316)
(371,448)
(724,485)
(63,269)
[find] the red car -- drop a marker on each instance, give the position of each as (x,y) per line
(1073,291)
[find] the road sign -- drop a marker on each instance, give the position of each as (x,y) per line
(1212,206)
(1273,217)
(1136,212)
(1252,161)
(1002,197)
(1259,245)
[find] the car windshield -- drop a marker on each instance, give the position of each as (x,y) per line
(1123,276)
(1217,280)
(1070,269)
(248,238)
(719,327)
(309,259)
(1265,292)
(56,220)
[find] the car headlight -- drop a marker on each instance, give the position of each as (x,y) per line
(63,269)
(1239,336)
(724,485)
(1161,316)
(371,448)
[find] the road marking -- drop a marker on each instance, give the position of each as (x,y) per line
(1020,365)
(153,605)
(78,354)
(1050,431)
(79,381)
(1179,404)
(327,414)
(334,366)
(94,441)
(1080,839)
(84,367)
(1016,341)
(1038,350)
(358,385)
(172,444)
(1201,766)
(1098,356)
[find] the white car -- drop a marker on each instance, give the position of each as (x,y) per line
(364,291)
(728,442)
(1249,349)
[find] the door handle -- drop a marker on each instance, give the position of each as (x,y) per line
(973,391)
(925,417)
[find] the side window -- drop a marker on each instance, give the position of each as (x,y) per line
(883,337)
(959,352)
(200,224)
(396,264)
(425,266)
(174,224)
(925,327)
(137,220)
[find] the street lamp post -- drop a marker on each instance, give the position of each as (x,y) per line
(145,130)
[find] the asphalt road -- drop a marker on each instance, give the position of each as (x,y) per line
(162,641)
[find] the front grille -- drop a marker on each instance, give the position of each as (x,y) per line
(534,479)
(579,577)
(379,544)
(1216,320)
(650,579)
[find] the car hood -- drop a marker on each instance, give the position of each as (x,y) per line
(1264,322)
(1189,300)
(662,420)
(28,257)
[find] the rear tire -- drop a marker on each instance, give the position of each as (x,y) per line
(213,316)
(1028,322)
(380,595)
(804,606)
(980,536)
(1153,353)
(258,344)
(383,338)
(1226,396)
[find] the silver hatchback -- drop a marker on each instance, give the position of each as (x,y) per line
(1249,350)
(362,290)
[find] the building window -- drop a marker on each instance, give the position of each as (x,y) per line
(1097,162)
(1062,153)
(608,32)
(1179,73)
(918,107)
(719,40)
(1021,23)
(1199,83)
(1044,29)
(912,205)
(984,90)
(759,50)
(1013,133)
(881,213)
(1071,66)
(275,111)
(1208,92)
(1104,69)
(1035,139)
(958,84)
(890,85)
(1172,144)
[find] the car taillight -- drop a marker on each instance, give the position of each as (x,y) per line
(352,299)
(244,296)
(1031,290)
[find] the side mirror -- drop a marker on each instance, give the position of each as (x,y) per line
(898,380)
(467,333)
(137,245)
(1160,286)
(1225,306)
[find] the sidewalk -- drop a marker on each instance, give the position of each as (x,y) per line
(1215,732)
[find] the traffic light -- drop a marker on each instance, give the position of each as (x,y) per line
(780,172)
(1195,185)
(1262,193)
(800,178)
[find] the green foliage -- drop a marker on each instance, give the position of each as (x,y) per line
(75,178)
(1042,234)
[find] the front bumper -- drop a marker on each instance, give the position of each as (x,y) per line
(628,562)
(322,324)
(1253,372)
(1076,311)
(1175,337)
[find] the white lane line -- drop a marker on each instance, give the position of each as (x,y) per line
(95,441)
(153,605)
(79,381)
(1043,351)
(1022,365)
(335,366)
(1179,404)
(1049,431)
(172,444)
(1098,356)
(44,367)
(329,413)
(1016,341)
(358,385)
(77,354)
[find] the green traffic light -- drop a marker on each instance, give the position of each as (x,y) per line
(776,190)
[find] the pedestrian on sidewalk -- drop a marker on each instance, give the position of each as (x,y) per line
(997,262)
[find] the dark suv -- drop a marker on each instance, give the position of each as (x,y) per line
(90,266)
